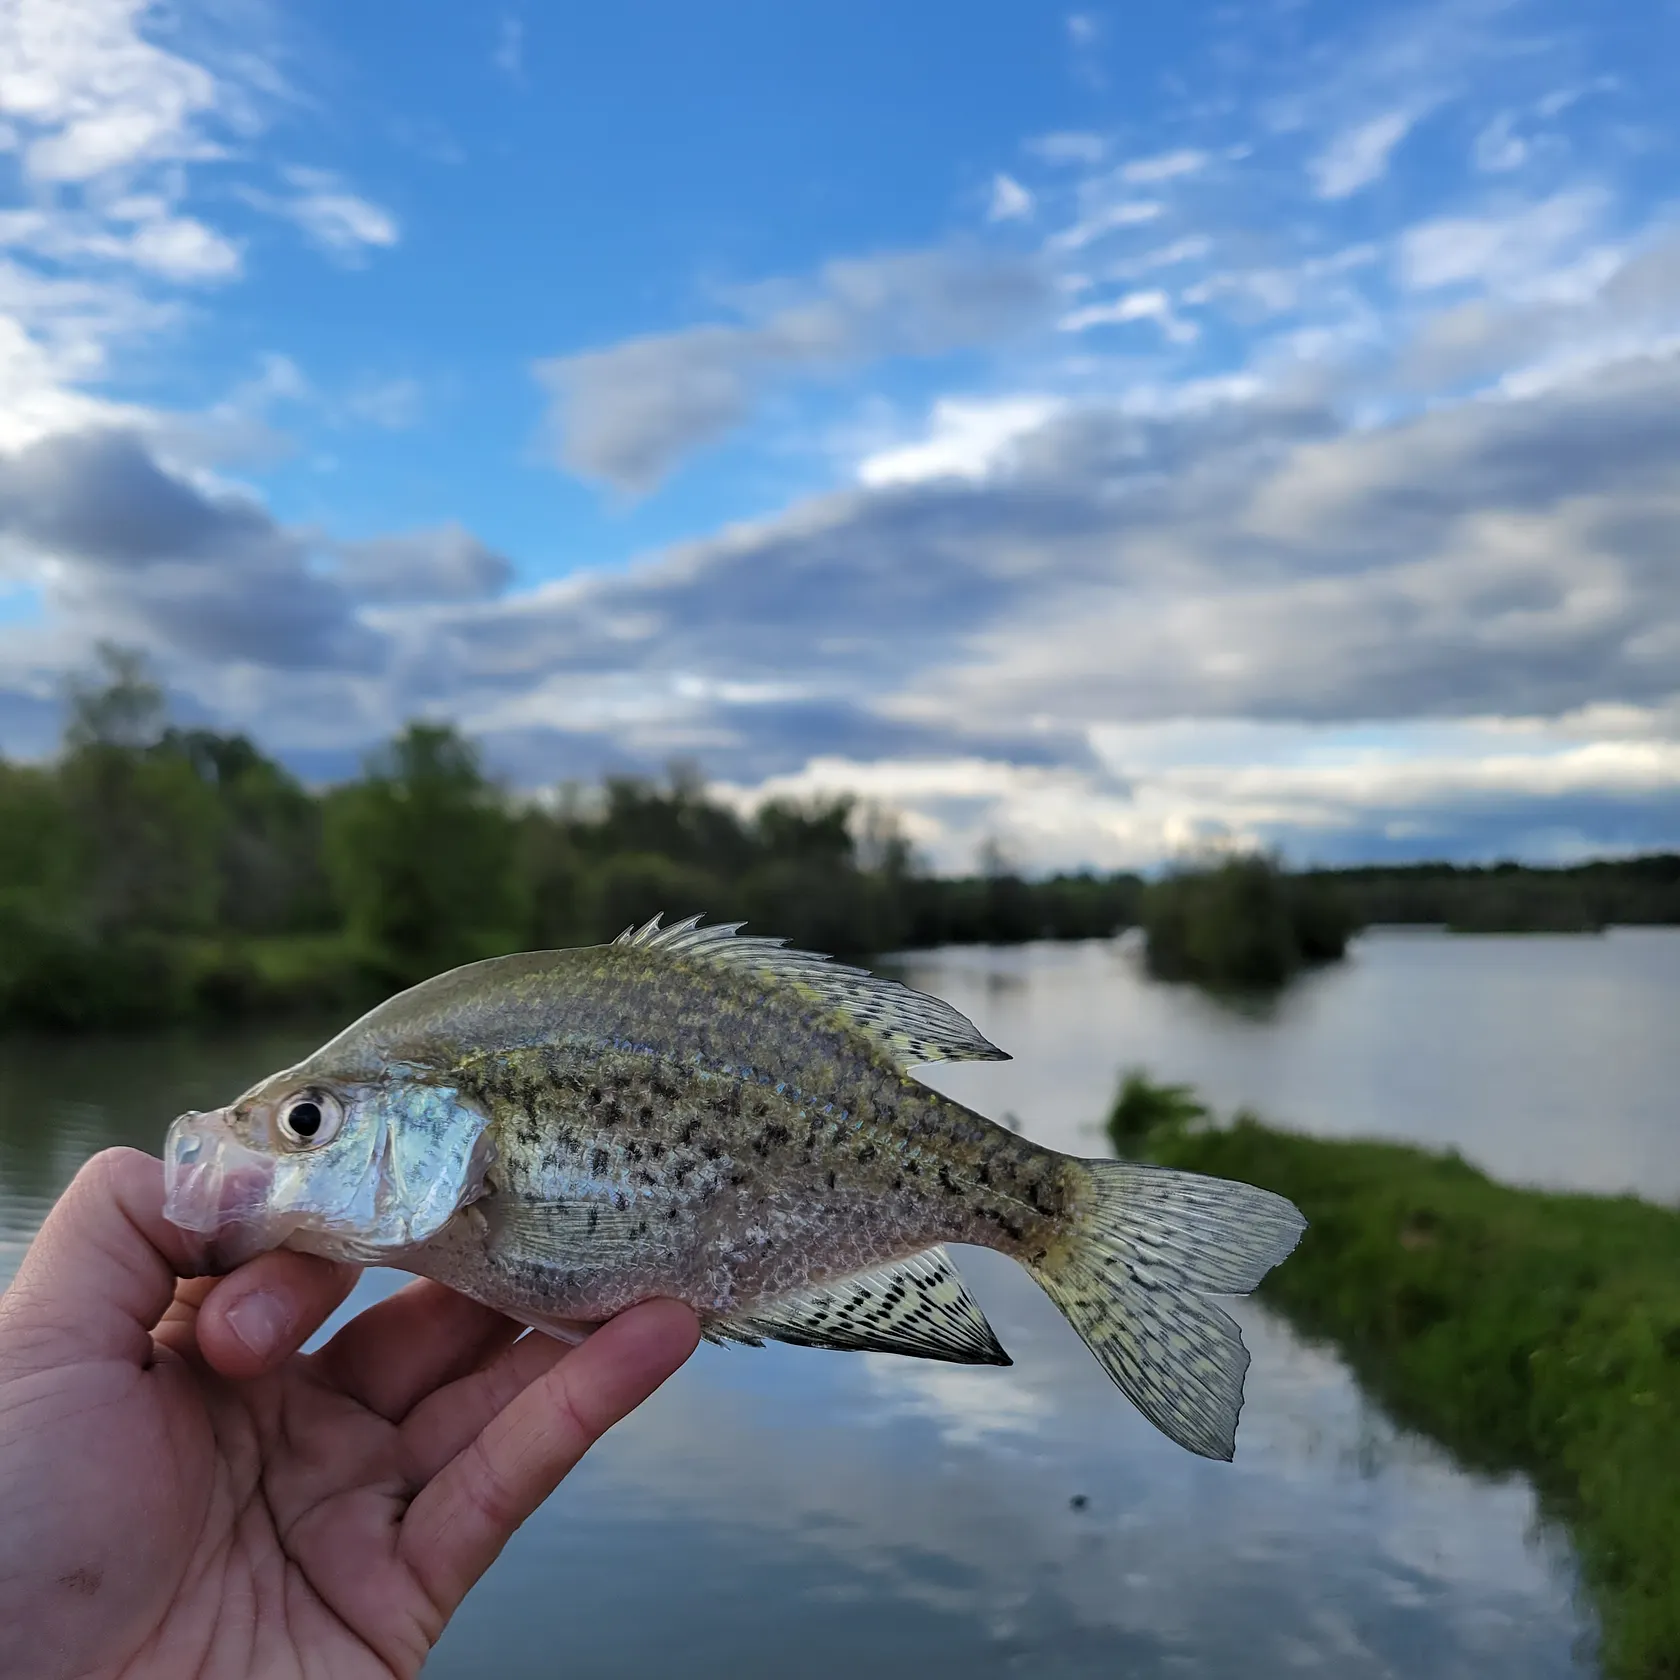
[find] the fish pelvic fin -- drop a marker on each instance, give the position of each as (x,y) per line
(916,1306)
(1146,1250)
(910,1026)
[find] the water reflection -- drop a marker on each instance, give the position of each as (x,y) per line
(783,1512)
(1547,1060)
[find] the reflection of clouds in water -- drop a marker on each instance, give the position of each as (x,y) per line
(1525,1036)
(963,1411)
(1334,1543)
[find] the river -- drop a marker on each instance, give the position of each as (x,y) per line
(784,1512)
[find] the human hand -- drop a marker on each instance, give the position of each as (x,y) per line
(184,1493)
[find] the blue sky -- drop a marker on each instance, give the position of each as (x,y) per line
(1102,431)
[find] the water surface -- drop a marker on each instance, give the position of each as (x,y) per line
(785,1511)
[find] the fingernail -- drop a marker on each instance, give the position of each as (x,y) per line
(260,1321)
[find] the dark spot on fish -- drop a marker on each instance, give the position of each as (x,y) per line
(710,1151)
(598,1159)
(594,1095)
(632,1151)
(594,1219)
(983,1175)
(946,1182)
(831,1178)
(86,1581)
(867,1153)
(898,1181)
(689,1131)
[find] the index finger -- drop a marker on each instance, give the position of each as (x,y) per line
(459,1522)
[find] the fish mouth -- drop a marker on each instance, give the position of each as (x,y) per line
(218,1189)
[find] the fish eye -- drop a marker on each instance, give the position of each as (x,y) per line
(310,1119)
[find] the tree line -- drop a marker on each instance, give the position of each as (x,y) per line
(155,872)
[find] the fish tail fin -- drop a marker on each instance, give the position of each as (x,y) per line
(1144,1250)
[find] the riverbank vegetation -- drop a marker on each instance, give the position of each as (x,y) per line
(1523,1330)
(1513,898)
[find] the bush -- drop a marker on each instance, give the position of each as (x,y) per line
(1242,923)
(1143,1107)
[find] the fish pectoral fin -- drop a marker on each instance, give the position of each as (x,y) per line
(564,1233)
(916,1306)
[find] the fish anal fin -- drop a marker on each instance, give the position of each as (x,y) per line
(916,1306)
(912,1027)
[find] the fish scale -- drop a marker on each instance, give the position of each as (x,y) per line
(692,1113)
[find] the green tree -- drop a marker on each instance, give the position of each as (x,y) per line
(148,829)
(1241,923)
(421,855)
(272,878)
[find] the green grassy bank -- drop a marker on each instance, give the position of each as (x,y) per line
(1522,1330)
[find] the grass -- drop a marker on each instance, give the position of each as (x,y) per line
(1524,1330)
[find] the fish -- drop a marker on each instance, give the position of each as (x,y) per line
(701,1114)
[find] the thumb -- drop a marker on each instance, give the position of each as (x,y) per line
(103,1270)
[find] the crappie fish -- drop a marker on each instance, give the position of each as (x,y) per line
(692,1113)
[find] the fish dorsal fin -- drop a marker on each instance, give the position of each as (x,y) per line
(916,1306)
(910,1026)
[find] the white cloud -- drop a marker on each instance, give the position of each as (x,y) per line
(1134,306)
(1110,219)
(1190,249)
(141,233)
(627,413)
(395,404)
(1359,155)
(183,248)
(965,440)
(1068,146)
(1499,148)
(1515,252)
(509,56)
(1010,200)
(1083,28)
(109,107)
(337,220)
(1165,166)
(89,94)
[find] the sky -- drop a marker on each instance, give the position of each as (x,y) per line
(1099,434)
